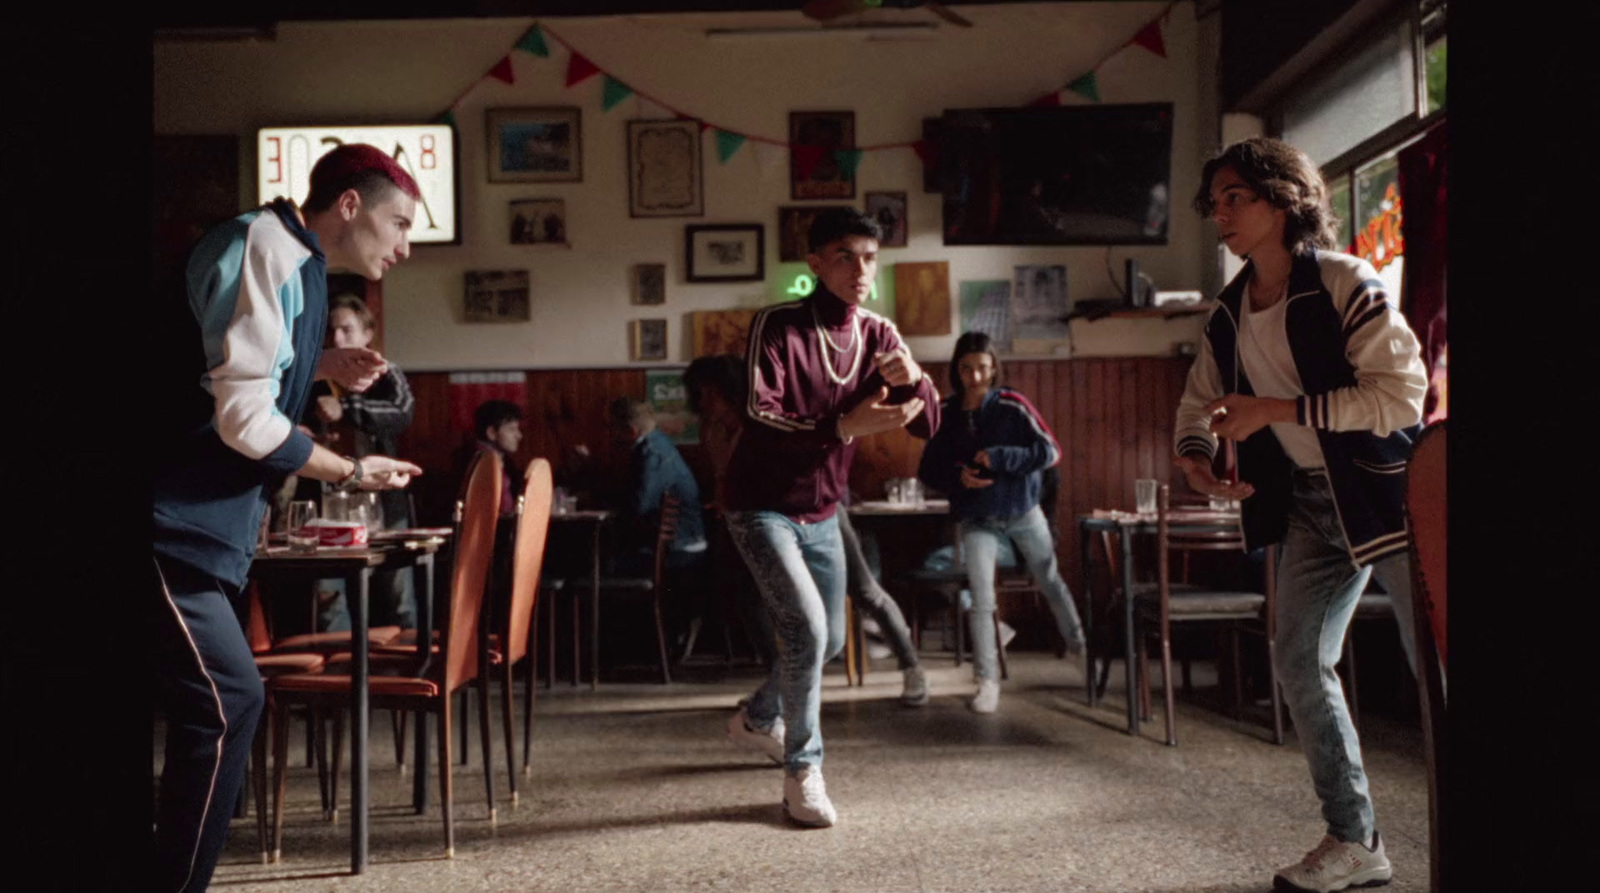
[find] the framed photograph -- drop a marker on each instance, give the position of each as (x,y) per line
(664,173)
(535,145)
(496,296)
(814,172)
(922,298)
(721,331)
(647,339)
(539,221)
(649,283)
(889,209)
(725,252)
(1039,307)
(794,224)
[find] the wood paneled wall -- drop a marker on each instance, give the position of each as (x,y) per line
(1113,417)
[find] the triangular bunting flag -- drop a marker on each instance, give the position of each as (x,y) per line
(1051,98)
(448,118)
(533,42)
(806,159)
(849,160)
(502,71)
(580,69)
(727,144)
(1149,37)
(927,152)
(1086,86)
(615,92)
(705,126)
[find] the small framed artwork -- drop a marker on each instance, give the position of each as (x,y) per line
(496,296)
(922,298)
(889,209)
(539,221)
(814,169)
(725,252)
(794,229)
(664,173)
(649,283)
(535,145)
(647,339)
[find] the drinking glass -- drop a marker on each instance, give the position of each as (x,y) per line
(1144,494)
(558,501)
(302,535)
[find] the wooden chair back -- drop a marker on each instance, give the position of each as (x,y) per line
(533,527)
(666,530)
(1425,516)
(474,551)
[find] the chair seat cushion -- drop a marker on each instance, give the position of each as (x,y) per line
(335,641)
(409,637)
(271,665)
(1196,602)
(339,682)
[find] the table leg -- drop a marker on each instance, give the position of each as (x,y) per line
(594,614)
(421,740)
(1127,629)
(356,595)
(1085,538)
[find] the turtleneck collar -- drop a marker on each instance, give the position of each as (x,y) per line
(835,312)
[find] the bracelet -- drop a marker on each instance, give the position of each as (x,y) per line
(351,481)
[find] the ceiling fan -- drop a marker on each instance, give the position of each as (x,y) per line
(828,10)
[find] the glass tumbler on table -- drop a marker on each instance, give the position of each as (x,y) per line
(1144,495)
(301,532)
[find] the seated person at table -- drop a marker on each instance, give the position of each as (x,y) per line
(655,468)
(364,423)
(988,457)
(498,424)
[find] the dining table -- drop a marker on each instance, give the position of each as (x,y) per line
(1126,527)
(276,565)
(591,522)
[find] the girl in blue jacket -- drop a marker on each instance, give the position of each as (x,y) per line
(988,456)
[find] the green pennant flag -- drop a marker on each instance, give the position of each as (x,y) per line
(727,144)
(449,117)
(616,91)
(849,160)
(1086,86)
(533,42)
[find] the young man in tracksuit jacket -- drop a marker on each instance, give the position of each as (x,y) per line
(1309,366)
(823,371)
(257,307)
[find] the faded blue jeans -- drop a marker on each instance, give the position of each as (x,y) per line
(980,543)
(800,571)
(1318,589)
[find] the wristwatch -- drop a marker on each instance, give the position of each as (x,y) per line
(352,481)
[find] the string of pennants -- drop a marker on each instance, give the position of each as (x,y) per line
(729,141)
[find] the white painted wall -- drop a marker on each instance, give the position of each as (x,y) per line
(409,71)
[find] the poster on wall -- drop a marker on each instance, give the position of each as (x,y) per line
(664,178)
(1039,308)
(922,298)
(986,308)
(669,399)
(285,156)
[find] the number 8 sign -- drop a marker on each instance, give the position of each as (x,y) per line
(285,156)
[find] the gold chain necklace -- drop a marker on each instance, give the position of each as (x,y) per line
(853,343)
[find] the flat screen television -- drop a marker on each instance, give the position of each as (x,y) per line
(285,155)
(1067,175)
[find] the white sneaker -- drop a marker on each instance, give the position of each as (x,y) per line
(1006,634)
(1336,865)
(805,798)
(768,742)
(988,697)
(915,693)
(878,650)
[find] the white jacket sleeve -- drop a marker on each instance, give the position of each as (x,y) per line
(1193,429)
(1391,380)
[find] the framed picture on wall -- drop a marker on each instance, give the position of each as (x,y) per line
(539,221)
(794,225)
(649,283)
(725,252)
(535,145)
(664,173)
(814,168)
(647,339)
(889,209)
(496,296)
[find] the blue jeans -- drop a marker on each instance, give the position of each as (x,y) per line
(800,571)
(1318,588)
(980,541)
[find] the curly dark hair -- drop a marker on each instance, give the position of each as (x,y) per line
(1284,176)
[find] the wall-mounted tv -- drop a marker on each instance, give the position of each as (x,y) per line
(285,155)
(1067,175)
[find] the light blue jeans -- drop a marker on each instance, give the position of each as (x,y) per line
(980,542)
(1318,589)
(800,571)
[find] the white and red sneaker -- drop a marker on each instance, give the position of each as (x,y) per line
(764,741)
(1336,865)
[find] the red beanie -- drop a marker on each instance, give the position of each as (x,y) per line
(349,159)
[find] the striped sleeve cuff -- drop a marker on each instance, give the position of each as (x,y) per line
(1194,443)
(1312,410)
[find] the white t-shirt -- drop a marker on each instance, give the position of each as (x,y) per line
(1264,354)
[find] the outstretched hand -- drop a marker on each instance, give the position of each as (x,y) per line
(874,416)
(1201,480)
(384,473)
(1237,416)
(352,368)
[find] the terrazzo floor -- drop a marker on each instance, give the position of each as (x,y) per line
(634,788)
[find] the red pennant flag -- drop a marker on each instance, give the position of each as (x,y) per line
(927,152)
(1049,99)
(705,126)
(502,71)
(579,68)
(1149,37)
(806,159)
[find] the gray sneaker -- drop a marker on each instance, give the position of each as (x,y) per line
(1336,865)
(915,693)
(805,799)
(765,741)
